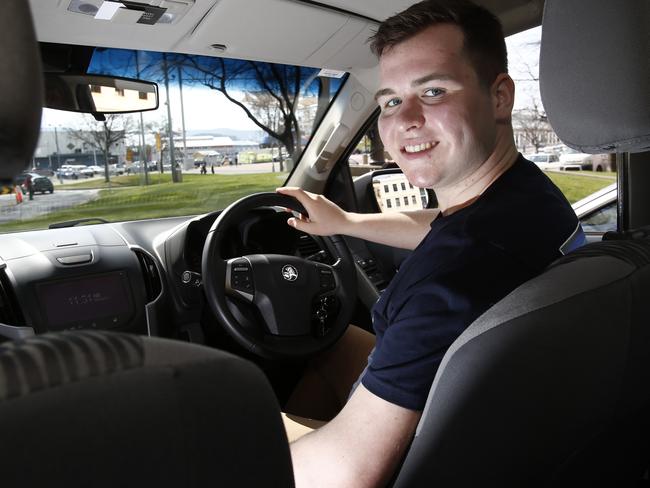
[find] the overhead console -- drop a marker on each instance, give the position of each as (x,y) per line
(77,278)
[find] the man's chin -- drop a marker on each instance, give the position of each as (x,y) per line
(419,180)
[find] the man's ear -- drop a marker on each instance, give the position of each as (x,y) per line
(503,96)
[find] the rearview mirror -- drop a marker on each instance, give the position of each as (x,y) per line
(394,193)
(96,94)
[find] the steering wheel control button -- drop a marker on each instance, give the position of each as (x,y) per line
(327,280)
(241,277)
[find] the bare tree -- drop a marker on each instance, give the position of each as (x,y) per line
(533,125)
(279,86)
(282,85)
(102,135)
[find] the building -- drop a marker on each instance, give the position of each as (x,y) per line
(56,147)
(394,193)
(532,131)
(200,146)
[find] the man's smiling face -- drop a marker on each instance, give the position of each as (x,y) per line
(437,121)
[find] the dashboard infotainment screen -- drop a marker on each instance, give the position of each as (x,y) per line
(98,301)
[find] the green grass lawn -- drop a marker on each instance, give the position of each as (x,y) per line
(578,185)
(126,181)
(126,200)
(195,195)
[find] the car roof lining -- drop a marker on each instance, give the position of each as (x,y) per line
(331,33)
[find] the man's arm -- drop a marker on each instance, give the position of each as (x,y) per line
(360,447)
(398,229)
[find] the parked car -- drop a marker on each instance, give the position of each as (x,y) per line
(44,171)
(41,184)
(69,172)
(598,212)
(576,161)
(544,161)
(116,169)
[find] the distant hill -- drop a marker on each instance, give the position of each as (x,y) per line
(242,135)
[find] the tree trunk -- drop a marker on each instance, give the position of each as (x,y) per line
(107,176)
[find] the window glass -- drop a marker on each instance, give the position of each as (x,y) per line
(602,220)
(217,142)
(409,198)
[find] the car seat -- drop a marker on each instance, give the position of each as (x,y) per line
(550,386)
(102,409)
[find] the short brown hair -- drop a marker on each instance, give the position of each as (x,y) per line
(483,43)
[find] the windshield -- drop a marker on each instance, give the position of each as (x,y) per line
(224,129)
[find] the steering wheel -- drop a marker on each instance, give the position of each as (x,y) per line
(303,306)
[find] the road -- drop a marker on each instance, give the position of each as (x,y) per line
(42,204)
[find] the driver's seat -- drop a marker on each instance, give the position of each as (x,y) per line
(551,386)
(101,409)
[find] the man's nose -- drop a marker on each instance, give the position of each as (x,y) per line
(410,114)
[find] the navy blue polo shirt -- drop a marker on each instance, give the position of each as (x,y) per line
(468,261)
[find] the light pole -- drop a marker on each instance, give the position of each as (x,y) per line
(170,132)
(58,152)
(180,87)
(143,155)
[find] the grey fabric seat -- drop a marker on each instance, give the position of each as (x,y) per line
(104,409)
(550,387)
(100,409)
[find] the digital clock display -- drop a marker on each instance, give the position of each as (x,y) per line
(99,301)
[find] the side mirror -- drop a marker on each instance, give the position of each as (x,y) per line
(96,94)
(394,193)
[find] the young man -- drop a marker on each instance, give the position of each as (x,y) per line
(446,102)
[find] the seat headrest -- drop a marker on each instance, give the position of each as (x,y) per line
(21,87)
(594,68)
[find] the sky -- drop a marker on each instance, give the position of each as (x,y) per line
(206,110)
(523,60)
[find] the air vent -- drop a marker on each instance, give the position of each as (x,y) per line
(150,275)
(309,248)
(10,313)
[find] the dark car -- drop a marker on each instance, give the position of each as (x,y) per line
(41,183)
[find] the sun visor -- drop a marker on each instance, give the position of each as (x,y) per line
(279,31)
(594,69)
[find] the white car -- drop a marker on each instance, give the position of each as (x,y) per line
(576,161)
(598,212)
(544,160)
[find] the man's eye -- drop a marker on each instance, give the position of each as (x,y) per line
(393,102)
(434,92)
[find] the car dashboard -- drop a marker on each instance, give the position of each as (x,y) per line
(142,277)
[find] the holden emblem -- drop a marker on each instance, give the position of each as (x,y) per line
(289,273)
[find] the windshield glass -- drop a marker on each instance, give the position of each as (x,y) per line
(224,129)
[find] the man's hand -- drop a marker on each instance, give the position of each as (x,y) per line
(325,217)
(398,229)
